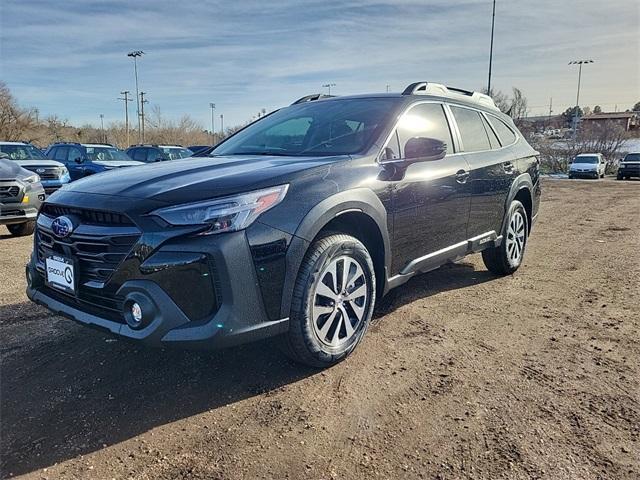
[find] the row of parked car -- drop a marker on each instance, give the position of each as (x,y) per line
(593,165)
(28,174)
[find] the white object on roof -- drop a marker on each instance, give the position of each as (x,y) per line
(440,90)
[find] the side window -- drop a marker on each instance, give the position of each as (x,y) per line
(424,120)
(74,153)
(139,154)
(153,154)
(493,139)
(60,154)
(474,136)
(506,135)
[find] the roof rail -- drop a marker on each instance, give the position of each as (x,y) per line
(438,89)
(311,98)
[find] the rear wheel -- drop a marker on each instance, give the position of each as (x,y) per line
(22,229)
(506,258)
(332,303)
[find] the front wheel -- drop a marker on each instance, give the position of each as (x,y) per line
(506,258)
(332,302)
(22,229)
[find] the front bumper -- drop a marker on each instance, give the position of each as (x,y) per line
(159,284)
(589,174)
(629,171)
(23,207)
(51,186)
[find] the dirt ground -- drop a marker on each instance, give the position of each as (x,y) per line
(463,375)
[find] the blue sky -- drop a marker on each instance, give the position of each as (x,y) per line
(68,57)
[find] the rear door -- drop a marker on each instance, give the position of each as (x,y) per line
(491,170)
(431,200)
(77,169)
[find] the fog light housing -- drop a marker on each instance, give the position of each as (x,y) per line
(136,312)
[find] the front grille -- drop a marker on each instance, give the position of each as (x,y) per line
(86,216)
(11,213)
(9,191)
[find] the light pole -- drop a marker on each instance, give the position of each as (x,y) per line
(388,87)
(135,54)
(126,100)
(213,134)
(104,139)
(328,86)
(222,125)
(142,102)
(575,113)
(493,21)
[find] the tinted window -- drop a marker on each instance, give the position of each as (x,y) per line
(174,153)
(326,127)
(493,139)
(106,154)
(424,120)
(587,159)
(632,157)
(153,154)
(22,152)
(60,154)
(474,136)
(74,154)
(506,135)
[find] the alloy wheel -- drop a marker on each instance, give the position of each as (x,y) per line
(339,301)
(516,233)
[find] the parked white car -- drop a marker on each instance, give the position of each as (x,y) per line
(587,165)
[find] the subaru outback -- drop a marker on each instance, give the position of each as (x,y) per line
(294,226)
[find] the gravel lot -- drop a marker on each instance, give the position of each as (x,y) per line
(463,375)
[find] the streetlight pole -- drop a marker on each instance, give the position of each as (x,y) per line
(213,134)
(135,54)
(328,86)
(126,100)
(222,125)
(142,102)
(575,113)
(104,139)
(493,21)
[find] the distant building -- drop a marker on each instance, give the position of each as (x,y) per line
(627,120)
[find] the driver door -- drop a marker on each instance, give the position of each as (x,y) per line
(431,201)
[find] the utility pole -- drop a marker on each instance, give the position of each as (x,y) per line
(222,125)
(142,102)
(328,86)
(575,115)
(388,87)
(104,138)
(493,21)
(213,130)
(135,54)
(550,110)
(126,100)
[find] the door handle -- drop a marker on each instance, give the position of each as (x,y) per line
(462,176)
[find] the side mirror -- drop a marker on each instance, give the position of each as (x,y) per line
(159,159)
(78,160)
(424,149)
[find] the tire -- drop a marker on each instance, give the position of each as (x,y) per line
(22,229)
(504,260)
(318,335)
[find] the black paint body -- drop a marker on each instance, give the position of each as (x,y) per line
(212,290)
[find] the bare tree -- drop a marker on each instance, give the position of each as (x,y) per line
(15,121)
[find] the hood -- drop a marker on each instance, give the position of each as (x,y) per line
(10,170)
(35,163)
(193,179)
(117,163)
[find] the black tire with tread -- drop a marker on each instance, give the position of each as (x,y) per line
(22,229)
(496,259)
(300,343)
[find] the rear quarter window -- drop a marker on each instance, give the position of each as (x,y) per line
(505,134)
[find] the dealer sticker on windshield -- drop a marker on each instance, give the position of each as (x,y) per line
(60,273)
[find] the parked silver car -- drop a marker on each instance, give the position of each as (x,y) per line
(21,195)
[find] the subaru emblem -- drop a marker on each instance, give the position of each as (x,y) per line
(62,227)
(40,170)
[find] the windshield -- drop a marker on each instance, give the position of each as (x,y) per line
(330,127)
(174,153)
(632,157)
(106,154)
(22,152)
(590,160)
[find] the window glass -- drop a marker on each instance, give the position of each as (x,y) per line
(22,152)
(60,154)
(153,155)
(139,154)
(425,120)
(174,153)
(325,127)
(506,135)
(74,154)
(474,136)
(493,139)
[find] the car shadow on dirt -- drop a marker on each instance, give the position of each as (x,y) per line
(79,390)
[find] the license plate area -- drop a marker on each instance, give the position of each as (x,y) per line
(60,273)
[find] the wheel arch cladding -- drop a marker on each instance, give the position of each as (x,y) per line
(363,216)
(521,190)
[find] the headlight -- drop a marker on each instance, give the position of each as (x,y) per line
(31,178)
(227,214)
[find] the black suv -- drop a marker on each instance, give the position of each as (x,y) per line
(300,222)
